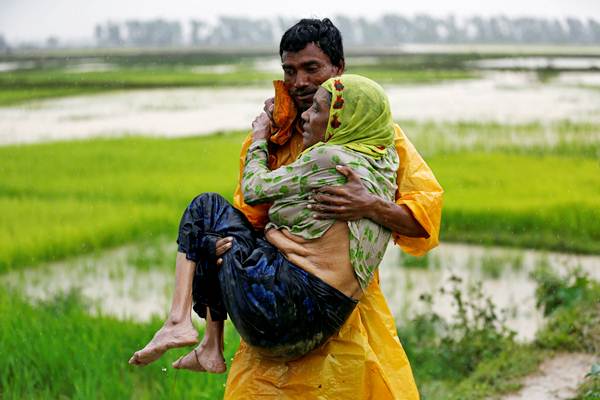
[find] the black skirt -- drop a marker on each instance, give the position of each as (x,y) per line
(275,306)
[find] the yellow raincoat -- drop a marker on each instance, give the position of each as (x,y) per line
(365,359)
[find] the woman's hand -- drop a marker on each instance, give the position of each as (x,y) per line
(269,108)
(261,127)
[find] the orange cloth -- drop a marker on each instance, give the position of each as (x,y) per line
(365,359)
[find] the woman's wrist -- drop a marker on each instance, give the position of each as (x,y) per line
(259,136)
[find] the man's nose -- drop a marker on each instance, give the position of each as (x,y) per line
(301,80)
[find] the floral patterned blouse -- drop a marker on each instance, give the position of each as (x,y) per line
(289,189)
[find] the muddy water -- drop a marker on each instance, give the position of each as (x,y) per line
(532,63)
(504,273)
(109,281)
(117,283)
(508,97)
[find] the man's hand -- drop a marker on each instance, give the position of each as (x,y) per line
(353,201)
(223,245)
(261,127)
(349,202)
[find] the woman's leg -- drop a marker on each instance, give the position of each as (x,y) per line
(208,356)
(207,218)
(177,330)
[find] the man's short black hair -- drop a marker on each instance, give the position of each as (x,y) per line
(321,32)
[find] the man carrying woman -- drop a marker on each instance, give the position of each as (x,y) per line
(374,363)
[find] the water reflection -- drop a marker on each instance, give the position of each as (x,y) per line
(504,97)
(505,275)
(136,281)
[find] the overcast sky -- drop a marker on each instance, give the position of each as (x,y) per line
(75,19)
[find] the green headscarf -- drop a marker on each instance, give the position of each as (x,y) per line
(359,117)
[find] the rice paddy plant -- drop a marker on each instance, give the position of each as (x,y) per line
(13,96)
(546,202)
(572,303)
(23,85)
(57,350)
(64,198)
(130,78)
(426,75)
(590,388)
(474,355)
(492,267)
(471,356)
(577,139)
(26,85)
(408,261)
(152,254)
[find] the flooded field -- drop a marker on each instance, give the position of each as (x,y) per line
(512,137)
(503,97)
(533,63)
(136,281)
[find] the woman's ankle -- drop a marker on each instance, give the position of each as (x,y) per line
(173,320)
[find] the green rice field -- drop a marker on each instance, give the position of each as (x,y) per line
(56,74)
(57,350)
(64,198)
(531,185)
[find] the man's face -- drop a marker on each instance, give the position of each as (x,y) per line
(304,71)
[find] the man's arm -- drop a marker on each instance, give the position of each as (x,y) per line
(353,201)
(414,218)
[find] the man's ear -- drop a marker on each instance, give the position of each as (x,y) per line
(340,68)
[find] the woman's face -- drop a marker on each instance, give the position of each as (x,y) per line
(315,118)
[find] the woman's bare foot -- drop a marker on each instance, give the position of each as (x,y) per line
(170,336)
(203,358)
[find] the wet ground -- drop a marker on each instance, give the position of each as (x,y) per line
(136,281)
(556,379)
(506,97)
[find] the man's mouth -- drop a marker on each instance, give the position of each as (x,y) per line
(304,96)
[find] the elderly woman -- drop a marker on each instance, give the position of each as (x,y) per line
(289,289)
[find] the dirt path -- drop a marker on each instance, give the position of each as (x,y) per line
(556,379)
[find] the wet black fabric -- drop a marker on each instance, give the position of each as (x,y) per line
(275,305)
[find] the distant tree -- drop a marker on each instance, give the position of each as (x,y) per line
(198,32)
(242,31)
(156,32)
(388,30)
(108,35)
(594,27)
(3,44)
(577,31)
(346,27)
(52,42)
(399,29)
(425,29)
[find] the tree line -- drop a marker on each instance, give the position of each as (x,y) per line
(388,30)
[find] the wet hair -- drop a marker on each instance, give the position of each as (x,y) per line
(320,32)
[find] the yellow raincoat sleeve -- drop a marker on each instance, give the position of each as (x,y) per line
(421,193)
